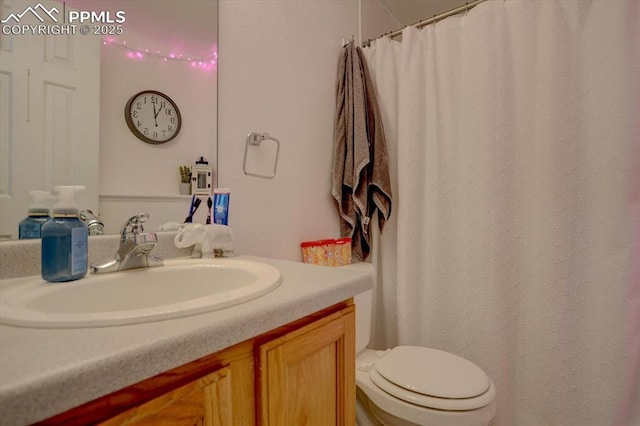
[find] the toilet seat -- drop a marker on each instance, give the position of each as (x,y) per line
(432,378)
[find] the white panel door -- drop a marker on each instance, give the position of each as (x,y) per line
(49,115)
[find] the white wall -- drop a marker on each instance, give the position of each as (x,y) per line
(278,66)
(130,169)
(277,72)
(377,20)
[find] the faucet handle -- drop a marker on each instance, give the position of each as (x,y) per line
(93,222)
(133,226)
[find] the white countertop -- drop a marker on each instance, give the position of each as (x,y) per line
(44,372)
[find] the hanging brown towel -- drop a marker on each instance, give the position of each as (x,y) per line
(360,173)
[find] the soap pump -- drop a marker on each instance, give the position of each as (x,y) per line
(64,240)
(37,215)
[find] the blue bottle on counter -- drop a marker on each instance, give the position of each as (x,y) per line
(38,215)
(64,240)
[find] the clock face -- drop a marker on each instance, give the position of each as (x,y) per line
(153,117)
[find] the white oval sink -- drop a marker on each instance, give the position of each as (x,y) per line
(181,287)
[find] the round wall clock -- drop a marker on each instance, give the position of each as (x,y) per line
(153,117)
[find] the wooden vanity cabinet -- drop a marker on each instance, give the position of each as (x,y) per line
(302,373)
(307,376)
(217,389)
(223,397)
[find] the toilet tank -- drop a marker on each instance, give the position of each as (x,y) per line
(364,316)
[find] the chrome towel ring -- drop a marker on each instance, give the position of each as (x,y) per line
(255,139)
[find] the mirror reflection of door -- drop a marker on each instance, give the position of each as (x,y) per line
(46,84)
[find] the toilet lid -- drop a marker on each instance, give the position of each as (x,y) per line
(432,372)
(447,404)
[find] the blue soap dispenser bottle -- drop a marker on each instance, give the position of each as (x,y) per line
(64,240)
(38,215)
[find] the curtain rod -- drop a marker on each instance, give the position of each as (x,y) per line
(426,22)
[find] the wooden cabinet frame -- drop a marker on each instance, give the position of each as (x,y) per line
(232,386)
(308,375)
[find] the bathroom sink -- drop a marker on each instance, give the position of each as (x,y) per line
(181,287)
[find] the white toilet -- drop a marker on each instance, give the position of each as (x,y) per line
(412,385)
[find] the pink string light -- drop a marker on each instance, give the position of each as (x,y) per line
(139,54)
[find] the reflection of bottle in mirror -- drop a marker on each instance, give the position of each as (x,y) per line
(221,205)
(64,240)
(38,215)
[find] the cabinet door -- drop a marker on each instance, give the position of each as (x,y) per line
(206,401)
(307,377)
(218,389)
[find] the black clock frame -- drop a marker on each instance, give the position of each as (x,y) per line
(134,129)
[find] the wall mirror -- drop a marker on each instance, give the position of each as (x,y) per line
(63,93)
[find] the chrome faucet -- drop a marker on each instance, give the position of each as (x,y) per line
(95,225)
(135,248)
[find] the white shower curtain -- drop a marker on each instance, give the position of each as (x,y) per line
(513,131)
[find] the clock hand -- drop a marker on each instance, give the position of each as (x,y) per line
(155,114)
